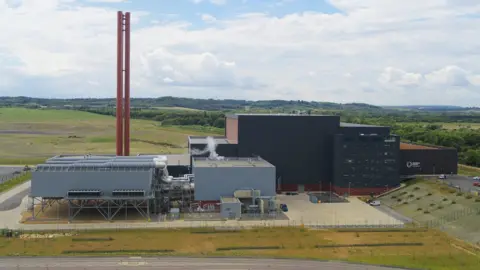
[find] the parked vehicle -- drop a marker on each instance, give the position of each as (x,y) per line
(375,203)
(477,178)
(442,176)
(284,207)
(476,184)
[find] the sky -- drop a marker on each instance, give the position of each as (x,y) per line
(382,52)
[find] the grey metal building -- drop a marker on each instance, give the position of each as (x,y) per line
(105,183)
(216,178)
(230,207)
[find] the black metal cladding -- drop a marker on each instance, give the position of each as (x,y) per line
(364,160)
(428,161)
(226,150)
(300,147)
(178,170)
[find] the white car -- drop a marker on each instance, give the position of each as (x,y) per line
(375,203)
(477,178)
(442,176)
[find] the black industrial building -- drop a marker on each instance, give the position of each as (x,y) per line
(424,160)
(319,153)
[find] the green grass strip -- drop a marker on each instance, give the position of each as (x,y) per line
(9,184)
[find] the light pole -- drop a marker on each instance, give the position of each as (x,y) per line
(349,183)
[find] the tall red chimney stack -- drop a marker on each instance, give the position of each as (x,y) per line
(123,65)
(126,149)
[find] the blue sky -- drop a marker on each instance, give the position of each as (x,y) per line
(386,52)
(191,11)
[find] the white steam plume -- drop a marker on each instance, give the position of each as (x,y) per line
(211,148)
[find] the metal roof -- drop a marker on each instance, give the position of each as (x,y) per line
(230,162)
(343,124)
(229,200)
(203,140)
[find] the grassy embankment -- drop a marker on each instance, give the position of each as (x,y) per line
(30,136)
(431,249)
(468,170)
(435,204)
(7,185)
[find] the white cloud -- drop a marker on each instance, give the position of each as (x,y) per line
(106,1)
(208,18)
(215,2)
(449,75)
(375,51)
(399,77)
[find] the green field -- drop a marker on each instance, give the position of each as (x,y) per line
(460,125)
(468,170)
(434,249)
(28,136)
(435,204)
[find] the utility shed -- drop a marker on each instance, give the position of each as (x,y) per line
(217,178)
(230,207)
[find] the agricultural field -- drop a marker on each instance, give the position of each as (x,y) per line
(420,249)
(438,205)
(460,125)
(29,136)
(468,170)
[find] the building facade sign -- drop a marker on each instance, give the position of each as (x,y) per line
(413,164)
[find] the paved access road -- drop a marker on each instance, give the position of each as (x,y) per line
(465,183)
(110,263)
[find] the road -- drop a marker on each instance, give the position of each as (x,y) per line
(14,201)
(465,183)
(110,263)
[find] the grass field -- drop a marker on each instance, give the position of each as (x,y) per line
(430,202)
(29,136)
(177,109)
(436,249)
(468,170)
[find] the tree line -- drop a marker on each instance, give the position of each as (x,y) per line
(180,118)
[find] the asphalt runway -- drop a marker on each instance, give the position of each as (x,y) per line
(110,263)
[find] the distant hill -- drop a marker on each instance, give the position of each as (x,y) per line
(433,108)
(191,103)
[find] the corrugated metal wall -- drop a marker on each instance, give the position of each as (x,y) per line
(366,162)
(213,182)
(300,147)
(57,184)
(428,161)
